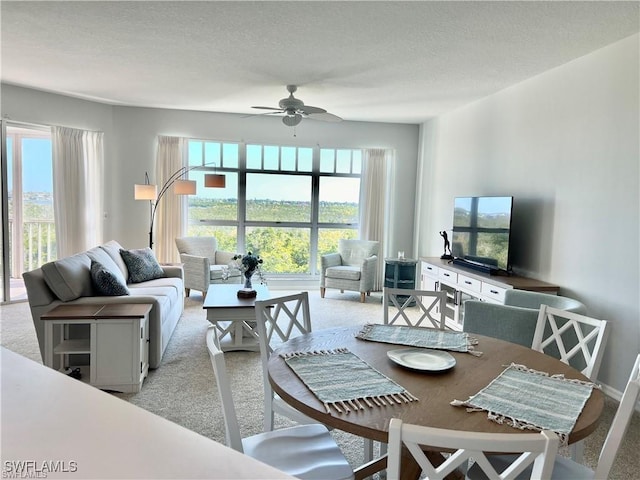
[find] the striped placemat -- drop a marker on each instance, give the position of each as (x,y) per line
(343,381)
(420,337)
(532,400)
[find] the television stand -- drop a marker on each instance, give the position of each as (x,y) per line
(462,283)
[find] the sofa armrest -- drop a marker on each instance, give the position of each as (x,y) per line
(173,271)
(224,258)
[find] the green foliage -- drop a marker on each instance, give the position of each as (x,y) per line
(284,250)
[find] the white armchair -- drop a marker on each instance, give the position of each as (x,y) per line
(353,267)
(204,264)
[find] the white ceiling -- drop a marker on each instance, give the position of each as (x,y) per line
(380,61)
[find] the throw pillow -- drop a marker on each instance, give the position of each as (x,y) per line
(142,265)
(105,282)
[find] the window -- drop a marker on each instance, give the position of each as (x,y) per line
(287,204)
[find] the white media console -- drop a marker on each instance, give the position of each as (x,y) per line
(462,284)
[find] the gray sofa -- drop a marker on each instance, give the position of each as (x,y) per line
(69,281)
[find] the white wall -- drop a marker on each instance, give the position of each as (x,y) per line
(130,149)
(565,144)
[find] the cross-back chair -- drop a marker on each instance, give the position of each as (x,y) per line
(574,339)
(429,305)
(278,320)
(567,469)
(536,449)
(303,451)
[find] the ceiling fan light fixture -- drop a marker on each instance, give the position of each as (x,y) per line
(292,120)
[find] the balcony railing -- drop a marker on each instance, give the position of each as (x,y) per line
(36,247)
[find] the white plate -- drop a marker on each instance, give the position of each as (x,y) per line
(422,359)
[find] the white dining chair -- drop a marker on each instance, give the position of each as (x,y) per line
(402,306)
(537,450)
(279,319)
(303,451)
(567,469)
(574,339)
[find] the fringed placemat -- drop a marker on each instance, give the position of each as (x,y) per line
(420,337)
(532,400)
(343,381)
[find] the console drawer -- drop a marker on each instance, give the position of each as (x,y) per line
(492,292)
(430,270)
(448,276)
(469,283)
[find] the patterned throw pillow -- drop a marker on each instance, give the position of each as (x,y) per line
(105,282)
(142,265)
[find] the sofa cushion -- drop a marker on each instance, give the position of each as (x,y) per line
(112,248)
(141,264)
(216,272)
(343,272)
(101,256)
(106,282)
(69,278)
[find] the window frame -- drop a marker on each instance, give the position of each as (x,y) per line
(314,225)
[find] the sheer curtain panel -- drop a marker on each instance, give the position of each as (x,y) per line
(78,157)
(373,202)
(172,209)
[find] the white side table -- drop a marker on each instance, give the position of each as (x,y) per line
(117,343)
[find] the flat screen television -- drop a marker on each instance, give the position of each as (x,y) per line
(482,232)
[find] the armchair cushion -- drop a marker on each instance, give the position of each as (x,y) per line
(344,272)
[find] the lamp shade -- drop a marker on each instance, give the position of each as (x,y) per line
(184,187)
(145,192)
(214,180)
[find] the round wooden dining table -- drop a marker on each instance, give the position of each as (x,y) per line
(434,391)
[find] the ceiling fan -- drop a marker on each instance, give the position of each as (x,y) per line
(295,110)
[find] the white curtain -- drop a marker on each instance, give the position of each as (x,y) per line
(373,202)
(78,157)
(171,214)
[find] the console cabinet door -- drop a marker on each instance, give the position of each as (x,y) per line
(115,353)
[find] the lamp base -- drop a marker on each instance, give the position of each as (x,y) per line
(247,293)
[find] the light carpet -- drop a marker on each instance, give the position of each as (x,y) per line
(183,390)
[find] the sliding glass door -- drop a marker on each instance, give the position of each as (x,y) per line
(28,228)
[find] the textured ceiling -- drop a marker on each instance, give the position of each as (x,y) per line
(373,61)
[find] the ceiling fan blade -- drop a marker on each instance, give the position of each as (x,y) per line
(308,110)
(325,117)
(278,109)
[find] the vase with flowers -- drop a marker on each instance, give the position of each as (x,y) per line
(249,265)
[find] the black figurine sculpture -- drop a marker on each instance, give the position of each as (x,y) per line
(447,246)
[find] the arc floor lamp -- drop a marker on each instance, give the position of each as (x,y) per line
(181,186)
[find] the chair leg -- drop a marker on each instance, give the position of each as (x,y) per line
(362,296)
(322,290)
(187,291)
(577,451)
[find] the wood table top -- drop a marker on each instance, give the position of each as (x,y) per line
(435,391)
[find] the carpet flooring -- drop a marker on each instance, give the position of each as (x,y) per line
(183,390)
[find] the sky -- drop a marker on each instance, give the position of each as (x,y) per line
(38,175)
(37,169)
